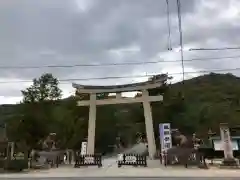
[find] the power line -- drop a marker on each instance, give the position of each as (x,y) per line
(214,49)
(70,80)
(119,64)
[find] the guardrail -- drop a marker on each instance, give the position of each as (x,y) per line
(88,160)
(132,160)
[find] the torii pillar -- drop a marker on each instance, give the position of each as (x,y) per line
(92,124)
(149,124)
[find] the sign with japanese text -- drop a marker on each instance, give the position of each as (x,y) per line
(165,136)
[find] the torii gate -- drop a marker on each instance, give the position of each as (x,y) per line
(118,89)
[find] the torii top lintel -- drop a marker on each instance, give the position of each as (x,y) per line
(155,82)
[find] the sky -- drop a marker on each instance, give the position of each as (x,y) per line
(69,32)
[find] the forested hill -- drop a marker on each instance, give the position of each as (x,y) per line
(195,106)
(209,100)
(207,94)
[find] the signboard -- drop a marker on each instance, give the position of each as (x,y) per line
(218,145)
(165,136)
(18,156)
(128,158)
(131,159)
(84,148)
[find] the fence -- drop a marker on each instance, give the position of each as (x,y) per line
(54,161)
(192,159)
(132,160)
(88,160)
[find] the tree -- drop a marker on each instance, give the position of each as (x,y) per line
(43,89)
(163,88)
(36,109)
(71,123)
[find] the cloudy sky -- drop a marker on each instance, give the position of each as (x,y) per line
(68,32)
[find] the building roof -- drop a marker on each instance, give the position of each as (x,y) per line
(155,82)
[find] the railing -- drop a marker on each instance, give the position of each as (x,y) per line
(54,162)
(195,158)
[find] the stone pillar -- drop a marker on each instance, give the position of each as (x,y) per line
(229,160)
(67,160)
(118,95)
(149,124)
(12,149)
(91,124)
(73,159)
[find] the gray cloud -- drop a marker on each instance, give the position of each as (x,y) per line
(49,32)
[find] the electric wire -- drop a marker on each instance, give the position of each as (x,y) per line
(214,49)
(71,80)
(120,64)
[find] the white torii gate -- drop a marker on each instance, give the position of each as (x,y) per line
(145,99)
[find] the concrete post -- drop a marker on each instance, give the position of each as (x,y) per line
(91,125)
(149,124)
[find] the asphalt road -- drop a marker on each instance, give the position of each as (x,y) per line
(127,178)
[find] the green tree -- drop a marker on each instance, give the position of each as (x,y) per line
(44,88)
(162,89)
(36,109)
(70,123)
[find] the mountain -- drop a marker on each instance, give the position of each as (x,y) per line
(209,100)
(195,105)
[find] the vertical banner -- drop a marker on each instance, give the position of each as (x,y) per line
(165,136)
(84,148)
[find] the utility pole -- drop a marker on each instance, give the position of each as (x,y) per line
(180,37)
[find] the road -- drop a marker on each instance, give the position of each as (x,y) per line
(128,178)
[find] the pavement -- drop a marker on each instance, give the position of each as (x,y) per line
(110,170)
(136,178)
(130,178)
